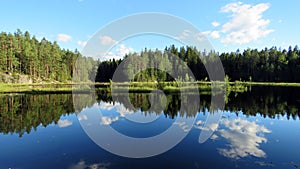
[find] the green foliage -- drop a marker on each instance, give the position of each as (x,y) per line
(267,65)
(23,113)
(23,54)
(266,102)
(227,81)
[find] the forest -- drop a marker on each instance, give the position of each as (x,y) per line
(21,53)
(266,65)
(266,102)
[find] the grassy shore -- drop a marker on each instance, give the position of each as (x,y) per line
(40,88)
(270,84)
(140,87)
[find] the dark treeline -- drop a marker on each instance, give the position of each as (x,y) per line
(271,102)
(267,101)
(23,54)
(24,113)
(270,65)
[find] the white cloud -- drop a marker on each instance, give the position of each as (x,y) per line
(215,24)
(246,23)
(81,43)
(206,127)
(265,164)
(119,108)
(123,111)
(183,126)
(200,125)
(215,34)
(213,126)
(105,120)
(119,53)
(83,165)
(64,123)
(214,137)
(82,117)
(244,138)
(185,33)
(123,50)
(63,38)
(199,122)
(109,55)
(202,36)
(107,105)
(107,40)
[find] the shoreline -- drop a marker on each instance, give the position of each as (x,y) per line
(169,87)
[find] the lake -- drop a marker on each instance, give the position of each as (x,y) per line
(259,128)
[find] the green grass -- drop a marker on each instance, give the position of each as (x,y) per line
(136,87)
(271,84)
(39,88)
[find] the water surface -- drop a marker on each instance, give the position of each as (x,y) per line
(258,129)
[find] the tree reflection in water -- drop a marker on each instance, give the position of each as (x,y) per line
(22,113)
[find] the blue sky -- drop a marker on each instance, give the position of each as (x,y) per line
(227,24)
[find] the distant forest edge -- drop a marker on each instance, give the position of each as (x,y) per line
(22,54)
(267,65)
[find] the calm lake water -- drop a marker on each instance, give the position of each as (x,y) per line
(258,129)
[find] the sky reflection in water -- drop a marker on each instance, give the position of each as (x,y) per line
(240,141)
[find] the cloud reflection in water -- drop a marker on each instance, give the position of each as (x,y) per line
(64,123)
(84,165)
(123,112)
(244,138)
(120,109)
